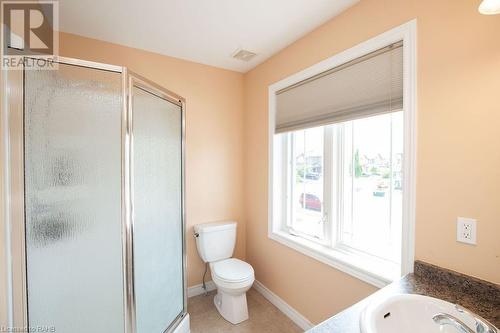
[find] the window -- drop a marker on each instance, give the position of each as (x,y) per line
(370,193)
(345,187)
(306,184)
(342,176)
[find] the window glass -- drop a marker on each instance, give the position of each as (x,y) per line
(362,212)
(307,181)
(371,208)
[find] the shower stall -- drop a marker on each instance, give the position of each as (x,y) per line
(93,200)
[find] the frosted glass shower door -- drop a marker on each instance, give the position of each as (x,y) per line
(72,167)
(157,206)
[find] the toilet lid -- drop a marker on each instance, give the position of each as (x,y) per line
(232,270)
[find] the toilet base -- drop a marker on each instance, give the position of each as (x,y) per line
(233,308)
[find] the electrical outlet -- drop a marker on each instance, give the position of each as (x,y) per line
(466,230)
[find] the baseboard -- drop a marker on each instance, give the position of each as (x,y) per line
(198,289)
(290,312)
(283,306)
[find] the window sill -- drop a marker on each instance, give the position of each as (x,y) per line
(368,269)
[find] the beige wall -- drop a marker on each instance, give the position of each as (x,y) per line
(214,118)
(458,164)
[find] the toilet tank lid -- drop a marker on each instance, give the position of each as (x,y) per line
(214,226)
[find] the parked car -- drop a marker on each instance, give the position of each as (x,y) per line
(312,175)
(380,190)
(312,202)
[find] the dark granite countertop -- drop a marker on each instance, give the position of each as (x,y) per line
(481,297)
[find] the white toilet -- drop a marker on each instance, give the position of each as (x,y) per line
(233,277)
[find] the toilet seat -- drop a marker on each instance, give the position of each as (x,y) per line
(232,270)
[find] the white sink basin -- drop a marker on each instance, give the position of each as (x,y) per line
(412,314)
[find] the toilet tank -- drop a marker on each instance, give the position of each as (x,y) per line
(215,241)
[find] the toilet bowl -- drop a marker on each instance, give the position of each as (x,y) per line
(233,277)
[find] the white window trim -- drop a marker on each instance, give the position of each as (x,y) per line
(335,258)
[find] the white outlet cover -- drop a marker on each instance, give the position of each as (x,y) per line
(466,230)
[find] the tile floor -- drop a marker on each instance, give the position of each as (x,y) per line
(264,317)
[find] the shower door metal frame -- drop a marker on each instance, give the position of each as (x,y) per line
(13,270)
(13,197)
(136,80)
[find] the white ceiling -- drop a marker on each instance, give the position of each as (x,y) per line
(204,31)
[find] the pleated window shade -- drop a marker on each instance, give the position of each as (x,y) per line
(363,87)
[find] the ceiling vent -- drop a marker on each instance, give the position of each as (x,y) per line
(243,55)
